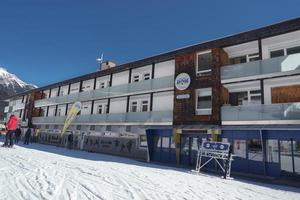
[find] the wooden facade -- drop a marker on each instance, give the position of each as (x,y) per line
(286,94)
(185,109)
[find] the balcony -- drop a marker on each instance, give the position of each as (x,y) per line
(136,118)
(163,83)
(288,113)
(262,68)
(18,106)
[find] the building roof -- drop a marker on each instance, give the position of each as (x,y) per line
(243,37)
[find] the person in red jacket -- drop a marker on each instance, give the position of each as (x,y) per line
(11,126)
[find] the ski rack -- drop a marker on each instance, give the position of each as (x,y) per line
(215,151)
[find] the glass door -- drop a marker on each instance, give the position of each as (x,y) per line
(296,154)
(286,160)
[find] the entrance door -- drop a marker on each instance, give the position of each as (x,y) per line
(290,156)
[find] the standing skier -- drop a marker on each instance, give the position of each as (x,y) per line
(17,135)
(11,127)
(27,136)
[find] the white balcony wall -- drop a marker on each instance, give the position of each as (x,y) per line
(86,108)
(64,90)
(120,78)
(96,106)
(118,105)
(242,49)
(141,71)
(279,42)
(88,85)
(61,110)
(166,68)
(163,101)
(51,111)
(102,82)
(277,82)
(54,92)
(74,88)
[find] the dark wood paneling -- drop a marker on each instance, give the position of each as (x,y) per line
(286,94)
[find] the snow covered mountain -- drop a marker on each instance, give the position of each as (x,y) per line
(10,84)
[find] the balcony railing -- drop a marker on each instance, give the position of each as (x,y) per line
(262,67)
(288,113)
(114,91)
(154,117)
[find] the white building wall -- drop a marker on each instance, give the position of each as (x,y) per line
(120,78)
(88,85)
(166,68)
(64,90)
(74,88)
(118,105)
(277,82)
(279,42)
(163,101)
(104,80)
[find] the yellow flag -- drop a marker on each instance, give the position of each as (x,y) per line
(76,107)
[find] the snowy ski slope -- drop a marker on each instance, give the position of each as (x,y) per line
(47,172)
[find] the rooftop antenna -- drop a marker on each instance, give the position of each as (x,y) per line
(99,61)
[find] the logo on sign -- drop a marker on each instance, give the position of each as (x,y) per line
(182,81)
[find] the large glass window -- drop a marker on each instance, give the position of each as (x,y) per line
(272,151)
(297,156)
(293,50)
(239,148)
(255,150)
(277,53)
(165,142)
(143,141)
(145,105)
(285,51)
(204,101)
(133,106)
(286,162)
(204,63)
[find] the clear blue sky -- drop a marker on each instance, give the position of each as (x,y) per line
(44,41)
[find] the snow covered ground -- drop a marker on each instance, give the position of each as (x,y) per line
(47,172)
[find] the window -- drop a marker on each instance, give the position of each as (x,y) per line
(255,150)
(92,127)
(61,93)
(108,128)
(238,60)
(102,85)
(78,127)
(134,106)
(293,50)
(136,78)
(47,127)
(128,128)
(244,59)
(204,103)
(146,76)
(145,105)
(239,148)
(59,112)
(100,109)
(285,51)
(277,53)
(143,141)
(272,151)
(165,142)
(249,97)
(204,63)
